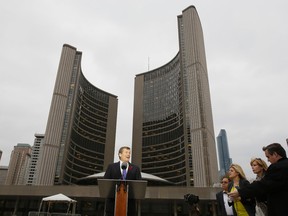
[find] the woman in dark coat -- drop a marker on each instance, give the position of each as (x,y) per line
(259,167)
(241,207)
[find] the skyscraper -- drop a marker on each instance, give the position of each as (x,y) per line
(32,168)
(173,134)
(81,127)
(3,174)
(223,152)
(18,165)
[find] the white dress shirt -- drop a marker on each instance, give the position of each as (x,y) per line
(121,162)
(229,209)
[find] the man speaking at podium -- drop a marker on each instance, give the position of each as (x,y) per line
(122,170)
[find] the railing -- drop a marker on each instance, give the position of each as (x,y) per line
(51,214)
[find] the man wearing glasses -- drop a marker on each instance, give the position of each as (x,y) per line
(222,199)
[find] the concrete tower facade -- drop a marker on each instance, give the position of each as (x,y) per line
(173,133)
(32,169)
(18,165)
(81,127)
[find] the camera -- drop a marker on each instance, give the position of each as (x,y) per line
(191,199)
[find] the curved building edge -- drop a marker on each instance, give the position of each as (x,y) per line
(81,127)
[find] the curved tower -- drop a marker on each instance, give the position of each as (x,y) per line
(173,133)
(81,127)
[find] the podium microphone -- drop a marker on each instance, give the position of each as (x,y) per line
(124,167)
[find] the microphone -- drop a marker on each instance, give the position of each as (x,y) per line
(124,167)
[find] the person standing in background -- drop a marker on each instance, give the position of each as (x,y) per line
(241,207)
(222,198)
(116,171)
(259,167)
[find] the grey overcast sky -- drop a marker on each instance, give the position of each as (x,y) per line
(246,49)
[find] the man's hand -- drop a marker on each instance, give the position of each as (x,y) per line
(233,194)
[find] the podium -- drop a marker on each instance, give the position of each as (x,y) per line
(122,190)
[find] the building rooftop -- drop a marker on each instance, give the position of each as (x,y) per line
(152,180)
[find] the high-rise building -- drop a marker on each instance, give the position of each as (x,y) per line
(223,152)
(81,127)
(173,132)
(32,169)
(18,165)
(3,174)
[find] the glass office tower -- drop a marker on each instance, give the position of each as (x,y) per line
(173,133)
(223,152)
(81,127)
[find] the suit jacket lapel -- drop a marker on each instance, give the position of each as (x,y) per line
(118,172)
(129,172)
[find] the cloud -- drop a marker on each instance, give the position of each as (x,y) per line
(246,45)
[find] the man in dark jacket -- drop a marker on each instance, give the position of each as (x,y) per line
(224,209)
(115,171)
(274,184)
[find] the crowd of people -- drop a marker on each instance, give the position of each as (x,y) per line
(267,195)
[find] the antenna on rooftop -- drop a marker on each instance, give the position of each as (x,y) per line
(148,63)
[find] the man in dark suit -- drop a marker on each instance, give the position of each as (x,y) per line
(116,171)
(224,209)
(274,184)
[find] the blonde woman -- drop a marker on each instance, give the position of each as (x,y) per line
(259,167)
(241,207)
